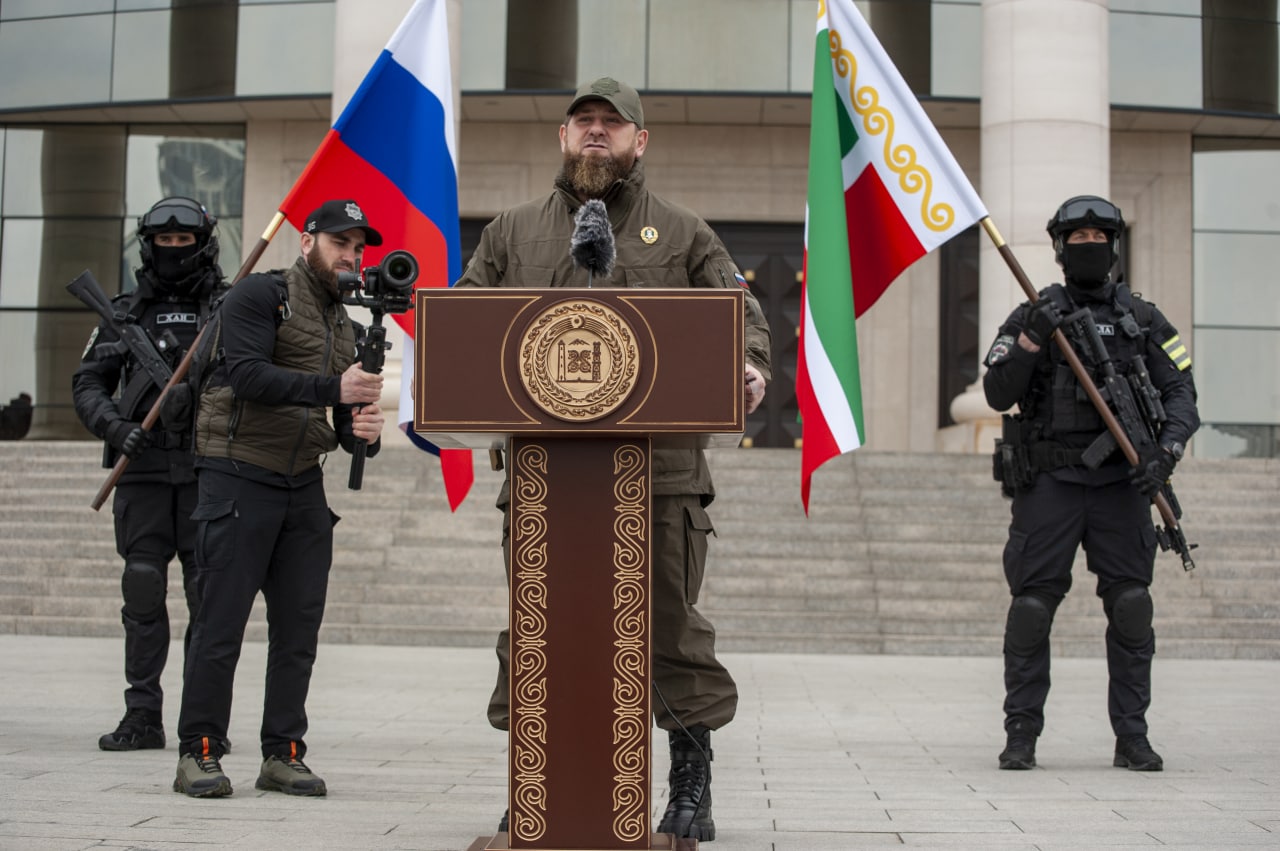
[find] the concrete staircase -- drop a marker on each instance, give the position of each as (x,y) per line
(901,554)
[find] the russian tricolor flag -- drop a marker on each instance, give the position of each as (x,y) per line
(393,151)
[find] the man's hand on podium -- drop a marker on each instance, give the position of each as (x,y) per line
(754,388)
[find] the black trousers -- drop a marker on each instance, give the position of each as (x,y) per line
(1113,524)
(253,537)
(153,524)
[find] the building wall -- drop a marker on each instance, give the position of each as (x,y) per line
(703,152)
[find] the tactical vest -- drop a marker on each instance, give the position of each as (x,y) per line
(181,316)
(1055,400)
(313,336)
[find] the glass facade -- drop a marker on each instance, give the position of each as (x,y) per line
(1236,223)
(1155,55)
(284,49)
(130,51)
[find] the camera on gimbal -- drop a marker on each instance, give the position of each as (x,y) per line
(383,289)
(386,288)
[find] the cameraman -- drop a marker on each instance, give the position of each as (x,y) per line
(286,353)
(152,505)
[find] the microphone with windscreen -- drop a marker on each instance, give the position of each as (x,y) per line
(592,245)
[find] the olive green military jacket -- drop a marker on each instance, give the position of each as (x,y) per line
(659,244)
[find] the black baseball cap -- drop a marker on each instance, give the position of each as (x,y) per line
(337,216)
(621,96)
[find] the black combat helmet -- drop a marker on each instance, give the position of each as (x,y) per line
(176,267)
(1086,211)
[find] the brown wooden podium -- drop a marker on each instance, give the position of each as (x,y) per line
(577,386)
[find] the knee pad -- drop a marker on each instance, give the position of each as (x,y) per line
(1130,610)
(143,588)
(1027,628)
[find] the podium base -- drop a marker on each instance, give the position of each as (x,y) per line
(660,842)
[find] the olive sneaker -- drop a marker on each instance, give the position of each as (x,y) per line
(200,776)
(139,729)
(289,775)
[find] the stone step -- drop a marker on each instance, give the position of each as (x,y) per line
(899,553)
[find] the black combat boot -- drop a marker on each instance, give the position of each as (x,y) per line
(1135,754)
(1020,747)
(688,812)
(139,729)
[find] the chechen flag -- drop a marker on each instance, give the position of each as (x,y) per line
(393,151)
(883,192)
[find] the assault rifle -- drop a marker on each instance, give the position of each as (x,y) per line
(1137,406)
(147,353)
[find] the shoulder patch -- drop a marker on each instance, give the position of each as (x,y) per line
(1000,348)
(1177,352)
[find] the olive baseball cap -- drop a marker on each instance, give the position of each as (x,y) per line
(337,216)
(621,96)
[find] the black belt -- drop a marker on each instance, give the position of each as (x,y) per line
(1051,456)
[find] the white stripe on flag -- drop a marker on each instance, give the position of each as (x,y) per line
(413,46)
(405,418)
(827,389)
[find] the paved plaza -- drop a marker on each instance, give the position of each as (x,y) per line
(827,753)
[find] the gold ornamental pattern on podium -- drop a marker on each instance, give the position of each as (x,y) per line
(579,361)
(631,656)
(529,654)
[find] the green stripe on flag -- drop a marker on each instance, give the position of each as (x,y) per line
(829,279)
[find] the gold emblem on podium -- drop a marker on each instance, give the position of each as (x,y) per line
(578,360)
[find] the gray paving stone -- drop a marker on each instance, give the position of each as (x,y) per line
(828,753)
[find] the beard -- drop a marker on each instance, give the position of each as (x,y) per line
(591,176)
(327,274)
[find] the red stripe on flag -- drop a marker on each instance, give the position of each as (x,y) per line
(881,243)
(459,474)
(819,444)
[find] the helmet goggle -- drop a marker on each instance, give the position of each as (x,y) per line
(175,214)
(1086,211)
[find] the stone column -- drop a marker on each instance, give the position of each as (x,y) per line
(1045,137)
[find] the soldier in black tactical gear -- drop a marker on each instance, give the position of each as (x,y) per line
(1060,502)
(156,494)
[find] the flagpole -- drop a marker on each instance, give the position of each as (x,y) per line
(184,365)
(1082,376)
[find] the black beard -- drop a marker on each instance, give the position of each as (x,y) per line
(326,274)
(592,176)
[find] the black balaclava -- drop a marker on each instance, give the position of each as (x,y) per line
(1088,264)
(177,267)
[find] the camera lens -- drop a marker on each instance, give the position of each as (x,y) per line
(399,271)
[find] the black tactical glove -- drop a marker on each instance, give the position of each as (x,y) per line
(176,408)
(129,438)
(1153,470)
(1042,320)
